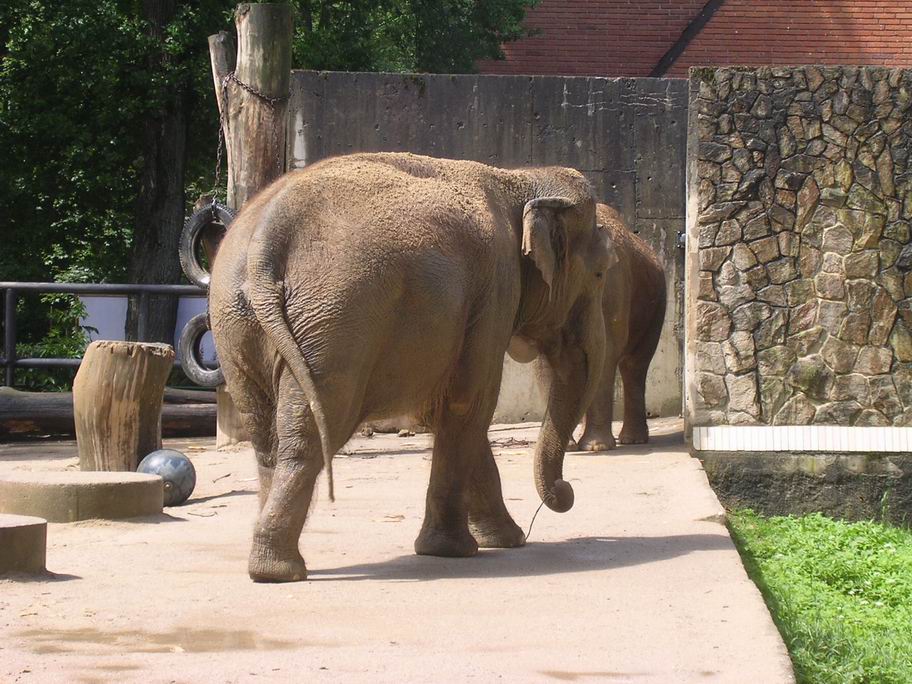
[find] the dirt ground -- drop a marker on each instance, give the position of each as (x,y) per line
(639,582)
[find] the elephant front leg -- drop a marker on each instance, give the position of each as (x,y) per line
(598,435)
(489,521)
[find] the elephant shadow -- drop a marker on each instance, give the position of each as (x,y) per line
(581,554)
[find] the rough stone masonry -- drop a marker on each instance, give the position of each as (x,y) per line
(800,262)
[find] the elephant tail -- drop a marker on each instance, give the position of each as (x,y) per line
(267,295)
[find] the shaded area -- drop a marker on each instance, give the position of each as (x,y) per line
(583,554)
(211,497)
(41,578)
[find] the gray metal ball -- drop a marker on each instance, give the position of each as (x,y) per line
(175,469)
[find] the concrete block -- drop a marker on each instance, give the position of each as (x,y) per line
(80,495)
(23,544)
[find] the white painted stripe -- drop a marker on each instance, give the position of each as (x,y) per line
(816,438)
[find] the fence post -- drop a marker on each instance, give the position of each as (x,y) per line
(142,325)
(253,124)
(10,336)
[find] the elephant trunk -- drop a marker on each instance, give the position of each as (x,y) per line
(575,373)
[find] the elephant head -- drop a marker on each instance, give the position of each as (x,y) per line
(565,256)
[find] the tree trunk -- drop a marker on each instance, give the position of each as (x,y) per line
(254,129)
(117,402)
(159,211)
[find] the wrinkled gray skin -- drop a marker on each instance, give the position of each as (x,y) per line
(376,285)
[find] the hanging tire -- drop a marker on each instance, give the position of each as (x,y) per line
(189,351)
(214,213)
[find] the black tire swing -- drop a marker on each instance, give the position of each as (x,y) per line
(213,214)
(192,335)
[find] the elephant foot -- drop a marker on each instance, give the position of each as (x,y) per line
(572,445)
(268,565)
(638,435)
(497,534)
(447,543)
(597,441)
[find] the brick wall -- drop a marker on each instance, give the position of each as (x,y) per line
(868,32)
(629,37)
(605,37)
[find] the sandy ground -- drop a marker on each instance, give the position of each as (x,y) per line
(639,582)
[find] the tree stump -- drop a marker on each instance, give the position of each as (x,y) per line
(117,402)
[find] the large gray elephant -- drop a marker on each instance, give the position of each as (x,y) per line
(376,285)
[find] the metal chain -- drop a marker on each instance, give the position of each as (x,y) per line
(272,102)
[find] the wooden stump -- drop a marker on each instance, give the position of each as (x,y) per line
(117,401)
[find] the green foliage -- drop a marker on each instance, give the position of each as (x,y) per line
(81,80)
(443,36)
(64,337)
(70,96)
(841,594)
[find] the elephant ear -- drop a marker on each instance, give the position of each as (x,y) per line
(542,234)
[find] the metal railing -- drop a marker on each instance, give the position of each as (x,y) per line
(11,292)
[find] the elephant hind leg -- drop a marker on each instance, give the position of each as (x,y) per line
(635,429)
(274,556)
(634,368)
(265,447)
(258,411)
(260,424)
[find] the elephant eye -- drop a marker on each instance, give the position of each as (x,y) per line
(599,274)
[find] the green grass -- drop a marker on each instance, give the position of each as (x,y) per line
(840,593)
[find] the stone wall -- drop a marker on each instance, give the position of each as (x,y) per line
(798,261)
(628,135)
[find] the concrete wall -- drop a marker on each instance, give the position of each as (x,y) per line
(627,135)
(799,255)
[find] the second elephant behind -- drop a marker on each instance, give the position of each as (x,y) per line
(634,310)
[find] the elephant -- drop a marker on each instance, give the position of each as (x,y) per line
(379,284)
(634,310)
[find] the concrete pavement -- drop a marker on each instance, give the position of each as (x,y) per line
(639,582)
